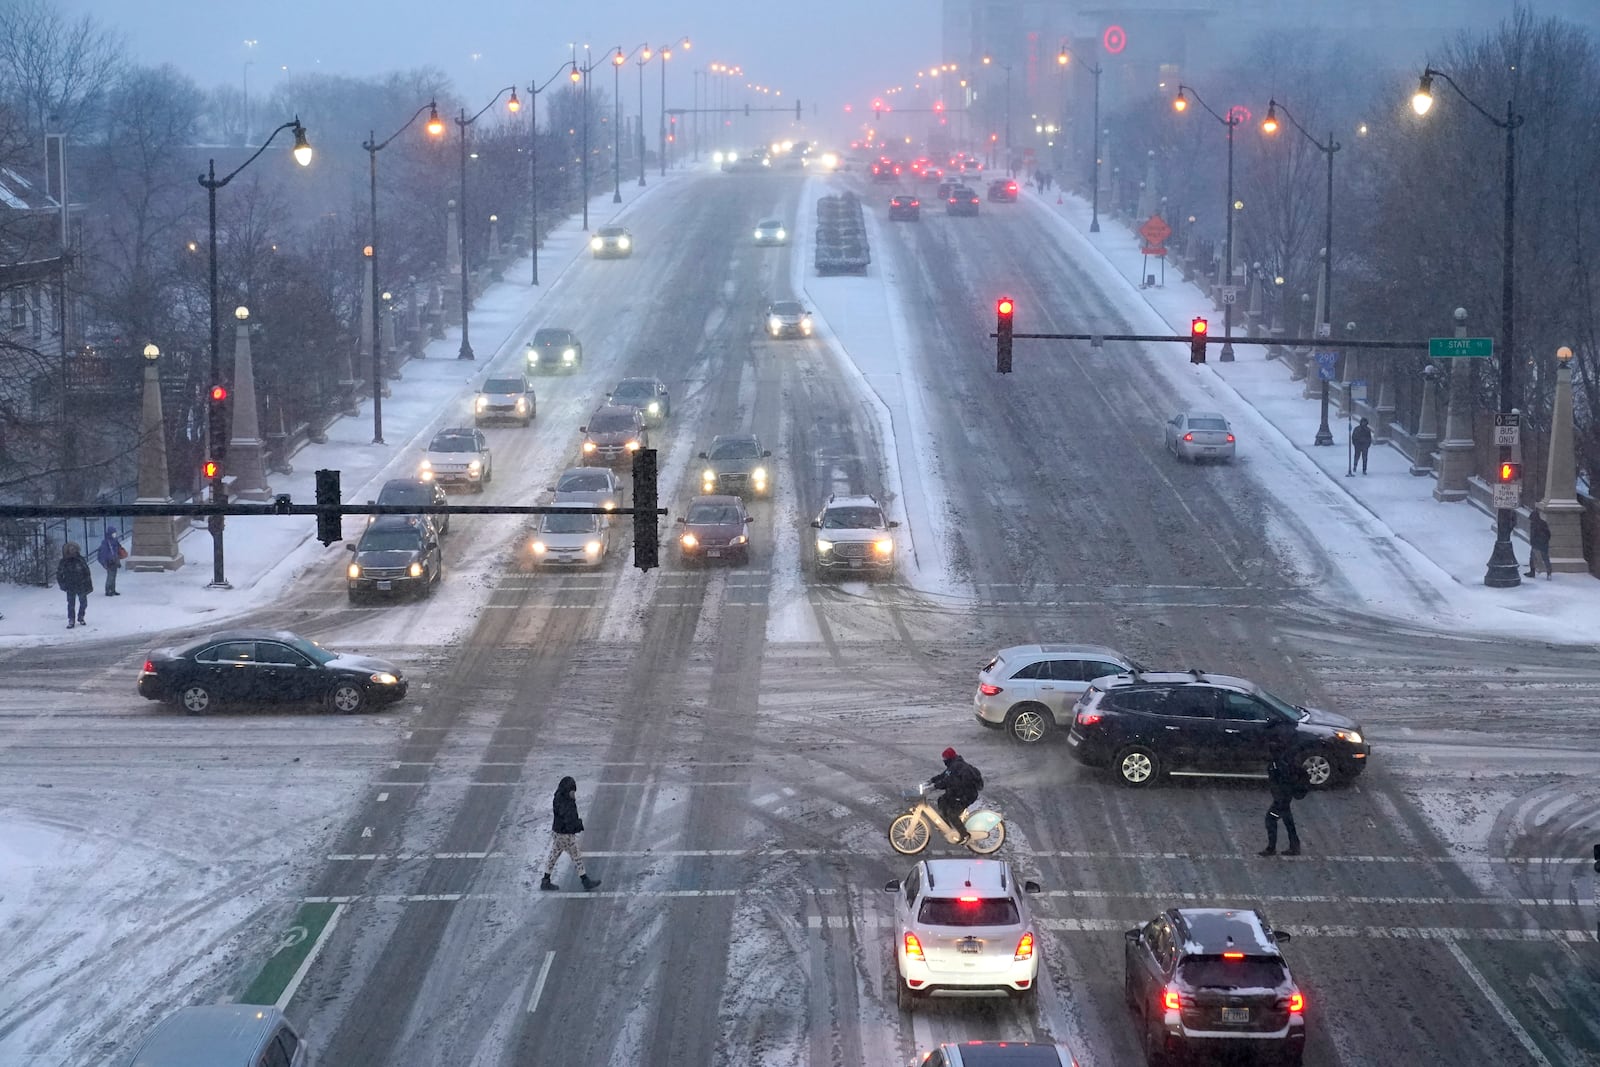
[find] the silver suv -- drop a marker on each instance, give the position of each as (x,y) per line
(853,535)
(1029,690)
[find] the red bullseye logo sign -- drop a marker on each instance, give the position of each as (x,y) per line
(1114,39)
(1239,115)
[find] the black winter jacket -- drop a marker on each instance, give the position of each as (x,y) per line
(74,576)
(959,780)
(1285,778)
(565,808)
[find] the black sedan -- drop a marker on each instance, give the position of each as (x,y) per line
(906,207)
(267,667)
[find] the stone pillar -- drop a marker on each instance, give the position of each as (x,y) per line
(1456,453)
(1383,408)
(1428,427)
(155,545)
(436,313)
(1253,311)
(245,451)
(1560,506)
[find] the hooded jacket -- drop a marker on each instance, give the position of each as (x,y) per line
(959,780)
(110,551)
(564,806)
(72,573)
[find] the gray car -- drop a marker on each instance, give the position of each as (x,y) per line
(787,318)
(1029,690)
(1198,435)
(569,540)
(222,1035)
(509,398)
(595,487)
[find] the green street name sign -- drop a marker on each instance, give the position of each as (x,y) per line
(1460,347)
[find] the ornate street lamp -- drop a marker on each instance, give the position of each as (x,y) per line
(1180,103)
(513,105)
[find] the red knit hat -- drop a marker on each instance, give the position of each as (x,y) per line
(948,753)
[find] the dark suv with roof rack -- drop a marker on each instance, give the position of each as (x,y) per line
(1213,980)
(1145,724)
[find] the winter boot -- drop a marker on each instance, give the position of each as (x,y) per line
(591,884)
(547,884)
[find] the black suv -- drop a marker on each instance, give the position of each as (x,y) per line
(1144,725)
(554,349)
(405,492)
(1213,980)
(396,555)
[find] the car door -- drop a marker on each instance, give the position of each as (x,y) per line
(286,675)
(1243,723)
(1193,733)
(1143,963)
(1024,683)
(228,668)
(1061,683)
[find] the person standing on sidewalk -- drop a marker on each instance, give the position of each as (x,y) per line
(566,828)
(1539,542)
(76,580)
(111,554)
(1361,441)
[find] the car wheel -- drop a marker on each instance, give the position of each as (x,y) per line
(1028,998)
(1293,1059)
(1028,723)
(347,698)
(1130,995)
(195,699)
(992,843)
(1154,1054)
(1137,766)
(355,598)
(909,834)
(1320,769)
(904,997)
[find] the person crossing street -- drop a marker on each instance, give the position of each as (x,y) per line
(566,826)
(1287,780)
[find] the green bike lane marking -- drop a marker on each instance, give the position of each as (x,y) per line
(297,949)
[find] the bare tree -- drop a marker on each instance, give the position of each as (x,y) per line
(51,68)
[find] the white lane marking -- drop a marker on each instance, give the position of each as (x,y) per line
(366,831)
(538,985)
(396,764)
(1523,1037)
(382,797)
(461,783)
(369,857)
(305,965)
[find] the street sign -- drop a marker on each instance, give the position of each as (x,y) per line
(1460,347)
(1158,250)
(1324,329)
(1507,429)
(1358,389)
(1154,231)
(1507,494)
(1327,366)
(1230,294)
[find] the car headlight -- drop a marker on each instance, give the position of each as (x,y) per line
(623,242)
(733,157)
(533,355)
(522,404)
(716,157)
(742,539)
(758,235)
(482,403)
(354,570)
(383,678)
(781,235)
(633,446)
(824,546)
(415,570)
(610,505)
(597,244)
(569,354)
(708,475)
(592,548)
(538,548)
(774,324)
(689,540)
(759,474)
(426,465)
(805,325)
(655,407)
(588,446)
(475,466)
(1352,736)
(884,546)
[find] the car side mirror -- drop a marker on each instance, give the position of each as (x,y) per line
(550,488)
(766,453)
(680,518)
(747,519)
(1031,887)
(349,546)
(583,429)
(893,525)
(1281,935)
(433,546)
(892,886)
(1131,936)
(816,523)
(702,455)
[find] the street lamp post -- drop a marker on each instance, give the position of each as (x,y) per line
(987,61)
(435,128)
(665,52)
(211,183)
(1181,103)
(462,122)
(1502,571)
(533,162)
(1269,126)
(1094,163)
(639,130)
(617,60)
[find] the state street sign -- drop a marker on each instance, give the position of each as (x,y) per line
(1327,366)
(1460,347)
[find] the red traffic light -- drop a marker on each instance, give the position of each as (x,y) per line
(219,393)
(1510,472)
(211,469)
(1198,327)
(1004,305)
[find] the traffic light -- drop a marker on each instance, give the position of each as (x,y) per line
(646,535)
(211,470)
(1004,307)
(1510,473)
(330,524)
(1597,859)
(217,420)
(797,111)
(747,111)
(1197,340)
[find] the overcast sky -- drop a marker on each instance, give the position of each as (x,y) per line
(827,50)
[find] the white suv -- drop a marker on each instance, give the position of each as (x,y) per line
(1030,690)
(962,927)
(853,535)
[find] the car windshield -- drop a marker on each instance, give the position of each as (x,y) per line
(1282,707)
(1009,1054)
(618,423)
(584,482)
(406,494)
(852,519)
(407,540)
(1207,424)
(1215,972)
(568,524)
(610,231)
(787,307)
(450,442)
(503,385)
(311,649)
(771,224)
(634,391)
(550,338)
(713,515)
(735,450)
(986,911)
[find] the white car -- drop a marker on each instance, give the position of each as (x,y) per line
(1198,435)
(1030,690)
(787,318)
(771,232)
(569,540)
(853,535)
(962,928)
(611,242)
(996,1054)
(458,456)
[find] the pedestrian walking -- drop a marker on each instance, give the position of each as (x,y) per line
(76,580)
(1539,540)
(566,828)
(1361,441)
(1287,780)
(111,554)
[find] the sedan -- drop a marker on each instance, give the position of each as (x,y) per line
(569,540)
(771,232)
(715,527)
(267,667)
(788,318)
(961,201)
(649,395)
(904,207)
(1198,435)
(595,487)
(407,492)
(611,242)
(1002,191)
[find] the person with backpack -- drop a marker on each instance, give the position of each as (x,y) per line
(1287,779)
(961,782)
(74,578)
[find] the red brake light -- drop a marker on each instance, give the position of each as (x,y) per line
(1297,1002)
(150,668)
(988,689)
(1230,438)
(914,203)
(1011,187)
(1188,437)
(952,199)
(974,200)
(913,946)
(1233,955)
(1088,718)
(968,900)
(1024,947)
(1170,1000)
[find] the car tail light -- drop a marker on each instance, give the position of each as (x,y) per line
(150,668)
(914,203)
(1230,438)
(968,900)
(989,690)
(1088,718)
(1171,1000)
(974,200)
(1024,947)
(1188,437)
(913,946)
(1297,1002)
(952,199)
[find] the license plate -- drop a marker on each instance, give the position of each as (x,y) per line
(1210,449)
(1235,1015)
(855,564)
(384,587)
(970,945)
(713,551)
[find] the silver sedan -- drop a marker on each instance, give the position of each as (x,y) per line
(1197,435)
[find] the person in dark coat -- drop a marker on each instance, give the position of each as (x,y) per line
(961,783)
(1361,441)
(75,579)
(1286,779)
(1539,539)
(566,827)
(110,554)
